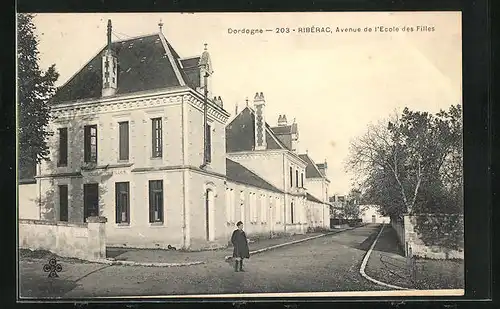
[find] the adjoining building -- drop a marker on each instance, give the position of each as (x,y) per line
(140,138)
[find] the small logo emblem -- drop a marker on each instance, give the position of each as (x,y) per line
(52,268)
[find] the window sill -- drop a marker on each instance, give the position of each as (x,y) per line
(156,158)
(156,224)
(122,225)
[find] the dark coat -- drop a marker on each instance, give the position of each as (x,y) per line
(240,244)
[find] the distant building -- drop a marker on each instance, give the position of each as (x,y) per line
(370,214)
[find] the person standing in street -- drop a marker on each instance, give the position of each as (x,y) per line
(240,247)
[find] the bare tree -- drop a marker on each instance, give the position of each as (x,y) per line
(401,158)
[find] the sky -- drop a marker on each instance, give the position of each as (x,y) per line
(333,84)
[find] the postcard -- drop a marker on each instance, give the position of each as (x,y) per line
(227,155)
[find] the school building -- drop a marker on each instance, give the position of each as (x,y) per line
(141,138)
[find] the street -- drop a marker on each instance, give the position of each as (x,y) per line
(324,264)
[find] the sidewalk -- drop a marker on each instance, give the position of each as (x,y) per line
(388,264)
(171,256)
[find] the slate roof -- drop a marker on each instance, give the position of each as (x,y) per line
(143,65)
(238,173)
(240,134)
(288,129)
(311,168)
(310,197)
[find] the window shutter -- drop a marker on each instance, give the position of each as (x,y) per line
(160,199)
(153,139)
(117,203)
(151,202)
(86,143)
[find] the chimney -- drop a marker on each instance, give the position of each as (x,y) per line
(260,121)
(322,168)
(294,131)
(205,66)
(282,121)
(218,101)
(109,67)
(236,109)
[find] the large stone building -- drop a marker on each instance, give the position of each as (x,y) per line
(139,140)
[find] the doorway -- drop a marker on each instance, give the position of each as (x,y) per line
(209,217)
(374,219)
(90,200)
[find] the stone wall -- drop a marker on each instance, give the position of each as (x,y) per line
(86,241)
(433,236)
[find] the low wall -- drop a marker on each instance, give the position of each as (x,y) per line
(398,226)
(432,236)
(27,206)
(85,241)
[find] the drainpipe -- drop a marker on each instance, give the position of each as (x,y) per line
(185,238)
(284,196)
(205,103)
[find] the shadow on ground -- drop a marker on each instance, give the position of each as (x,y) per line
(44,287)
(388,242)
(115,252)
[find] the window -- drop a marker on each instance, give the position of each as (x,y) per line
(242,206)
(231,203)
(253,207)
(90,200)
(63,147)
(157,142)
(277,208)
(90,147)
(263,209)
(296,178)
(122,201)
(155,201)
(208,146)
(302,180)
(123,140)
(291,177)
(291,212)
(63,203)
(228,205)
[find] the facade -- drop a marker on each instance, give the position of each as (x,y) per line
(129,145)
(138,141)
(317,185)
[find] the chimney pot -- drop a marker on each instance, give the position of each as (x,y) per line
(256,96)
